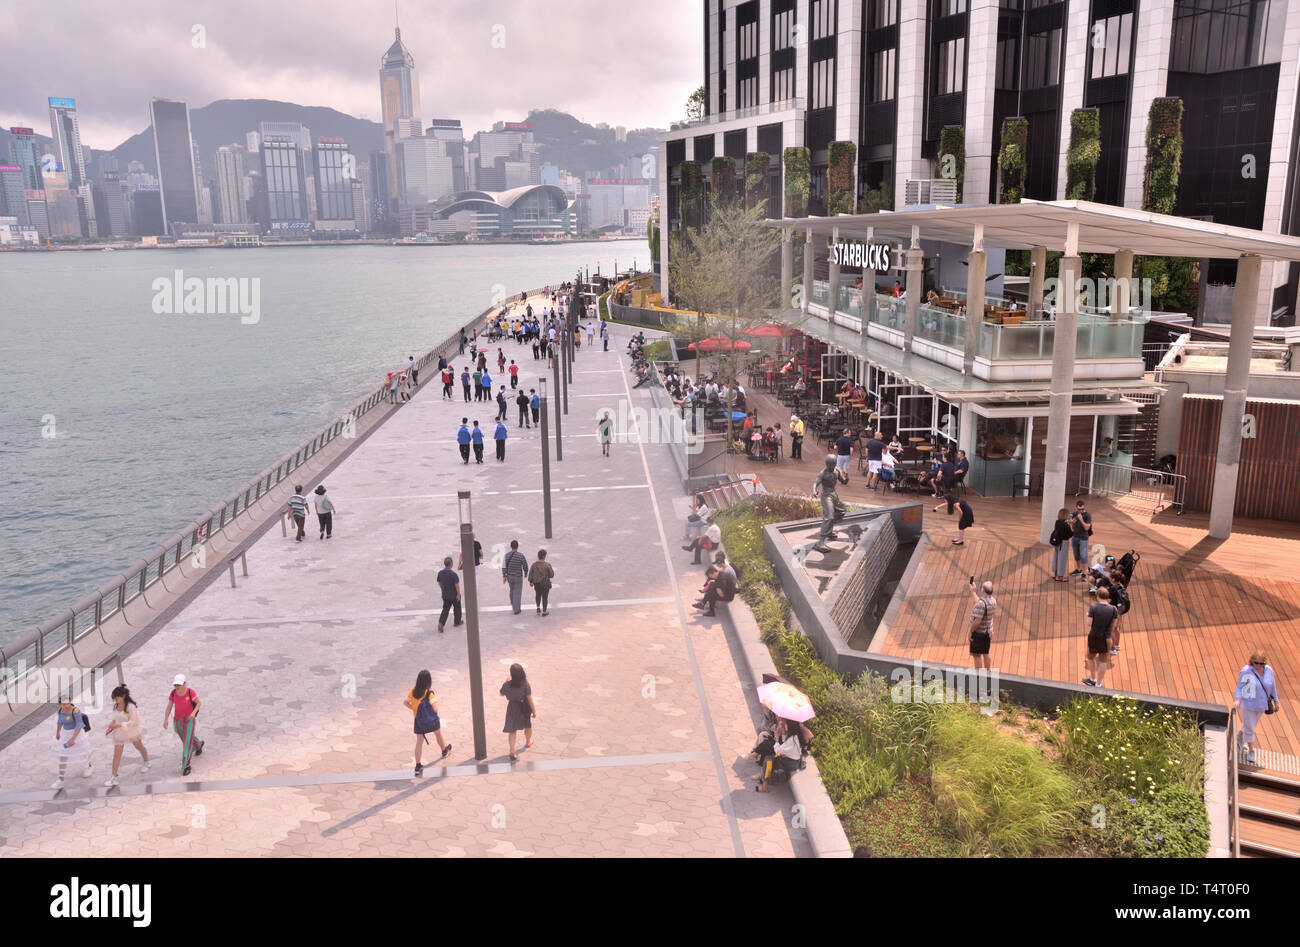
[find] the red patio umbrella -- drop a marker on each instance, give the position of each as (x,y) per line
(719,342)
(768,332)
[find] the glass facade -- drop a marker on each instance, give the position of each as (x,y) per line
(1222,35)
(334,165)
(174,150)
(285,180)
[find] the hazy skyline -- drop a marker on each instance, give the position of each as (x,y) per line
(574,56)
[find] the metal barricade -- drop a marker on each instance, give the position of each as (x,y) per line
(1158,488)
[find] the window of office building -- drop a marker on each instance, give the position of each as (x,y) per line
(783,31)
(882,75)
(1043,59)
(1221,35)
(823,18)
(1008,64)
(949,7)
(747,30)
(783,85)
(883,13)
(1112,41)
(950,72)
(748,91)
(823,84)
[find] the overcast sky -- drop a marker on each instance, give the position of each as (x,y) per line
(613,61)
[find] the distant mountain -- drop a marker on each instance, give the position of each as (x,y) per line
(578,147)
(228,121)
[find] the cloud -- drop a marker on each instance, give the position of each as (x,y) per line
(619,62)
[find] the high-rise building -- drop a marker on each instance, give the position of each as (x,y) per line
(889,77)
(426,173)
(147,211)
(399,93)
(381,201)
(507,157)
(296,130)
(87,223)
(22,147)
(111,206)
(335,173)
(174,152)
(67,140)
(284,178)
(449,131)
(36,213)
(13,203)
(61,214)
(228,167)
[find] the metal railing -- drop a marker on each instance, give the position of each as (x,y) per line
(88,615)
(1156,487)
(1234,791)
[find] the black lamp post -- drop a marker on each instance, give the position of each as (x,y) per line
(471,622)
(559,443)
(546,458)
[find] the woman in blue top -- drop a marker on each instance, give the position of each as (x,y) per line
(73,750)
(1256,688)
(500,436)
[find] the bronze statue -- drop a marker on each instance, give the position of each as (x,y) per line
(824,488)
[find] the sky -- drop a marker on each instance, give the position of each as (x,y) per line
(612,61)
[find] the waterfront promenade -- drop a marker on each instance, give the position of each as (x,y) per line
(645,711)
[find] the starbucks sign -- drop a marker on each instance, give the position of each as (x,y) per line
(871,256)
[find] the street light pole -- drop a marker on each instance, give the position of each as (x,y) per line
(559,443)
(471,622)
(564,366)
(546,459)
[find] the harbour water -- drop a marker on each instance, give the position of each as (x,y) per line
(119,425)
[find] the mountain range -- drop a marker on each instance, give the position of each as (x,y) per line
(572,145)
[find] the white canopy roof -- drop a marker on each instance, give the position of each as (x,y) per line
(1103,228)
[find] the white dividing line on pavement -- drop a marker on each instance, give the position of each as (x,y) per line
(396,613)
(432,774)
(501,493)
(738,844)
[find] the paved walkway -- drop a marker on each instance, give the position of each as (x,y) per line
(643,719)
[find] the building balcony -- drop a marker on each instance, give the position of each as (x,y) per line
(771,108)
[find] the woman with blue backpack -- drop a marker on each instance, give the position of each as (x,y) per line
(420,701)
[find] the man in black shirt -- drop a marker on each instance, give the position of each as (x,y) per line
(962,466)
(721,589)
(450,583)
(1101,617)
(1080,532)
(844,453)
(875,455)
(947,473)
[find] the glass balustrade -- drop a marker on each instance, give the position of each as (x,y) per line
(1097,337)
(940,326)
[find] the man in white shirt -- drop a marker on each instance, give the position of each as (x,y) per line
(711,539)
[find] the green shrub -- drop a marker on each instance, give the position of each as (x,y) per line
(998,793)
(798,181)
(840,182)
(1171,824)
(1012,158)
(905,823)
(1083,154)
(1113,743)
(723,179)
(952,141)
(757,166)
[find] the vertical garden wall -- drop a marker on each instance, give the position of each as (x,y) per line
(1012,159)
(757,166)
(952,156)
(798,182)
(723,180)
(841,178)
(691,210)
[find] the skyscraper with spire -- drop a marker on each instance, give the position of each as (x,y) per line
(399,91)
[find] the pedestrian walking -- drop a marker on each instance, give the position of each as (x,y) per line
(1080,533)
(394,385)
(604,335)
(796,437)
(449,582)
(324,513)
(502,405)
(520,709)
(513,570)
(535,402)
(487,385)
(537,349)
(73,750)
(1101,616)
(875,448)
(514,374)
(420,701)
(967,516)
(605,428)
(1256,695)
(478,384)
(844,453)
(981,623)
(591,335)
(186,705)
(501,361)
(415,371)
(463,438)
(1060,540)
(463,342)
(521,401)
(476,439)
(125,727)
(540,576)
(448,378)
(296,510)
(500,435)
(404,386)
(465,379)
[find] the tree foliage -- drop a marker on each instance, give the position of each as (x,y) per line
(696,104)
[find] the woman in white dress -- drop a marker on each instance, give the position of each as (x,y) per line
(74,751)
(125,727)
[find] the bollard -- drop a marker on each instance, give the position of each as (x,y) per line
(284,526)
(243,561)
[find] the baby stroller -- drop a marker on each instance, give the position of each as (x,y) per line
(1126,564)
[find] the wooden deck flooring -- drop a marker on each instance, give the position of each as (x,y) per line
(1200,606)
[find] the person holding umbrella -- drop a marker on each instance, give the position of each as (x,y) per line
(789,738)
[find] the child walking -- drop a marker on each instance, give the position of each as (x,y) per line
(422,704)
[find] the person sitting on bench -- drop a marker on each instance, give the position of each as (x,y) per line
(711,539)
(721,588)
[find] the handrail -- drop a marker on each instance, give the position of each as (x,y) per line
(1143,482)
(58,634)
(1234,791)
